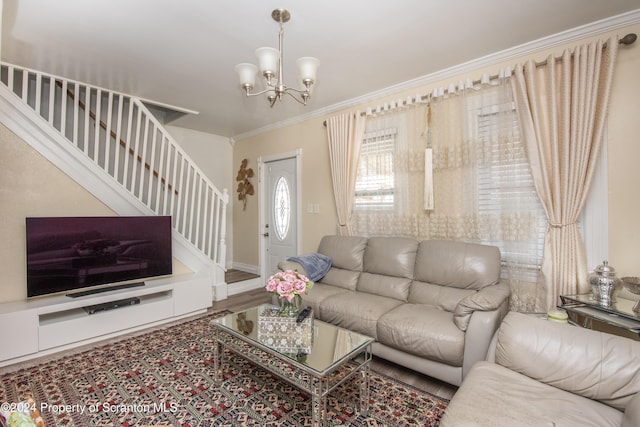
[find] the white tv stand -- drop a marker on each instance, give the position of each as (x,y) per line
(49,324)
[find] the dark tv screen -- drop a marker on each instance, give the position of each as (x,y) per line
(69,253)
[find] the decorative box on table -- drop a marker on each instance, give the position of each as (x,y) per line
(284,334)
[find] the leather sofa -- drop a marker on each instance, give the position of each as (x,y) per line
(432,306)
(542,373)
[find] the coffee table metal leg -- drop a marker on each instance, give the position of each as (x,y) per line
(364,390)
(218,355)
(318,401)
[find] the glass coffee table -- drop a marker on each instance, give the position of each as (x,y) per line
(313,355)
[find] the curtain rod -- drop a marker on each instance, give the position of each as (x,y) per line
(629,39)
(626,40)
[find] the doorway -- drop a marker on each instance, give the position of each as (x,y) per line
(279,210)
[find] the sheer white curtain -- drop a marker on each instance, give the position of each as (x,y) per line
(390,186)
(483,188)
(482,184)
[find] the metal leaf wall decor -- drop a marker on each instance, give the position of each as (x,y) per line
(245,188)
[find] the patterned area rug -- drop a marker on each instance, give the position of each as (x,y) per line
(165,378)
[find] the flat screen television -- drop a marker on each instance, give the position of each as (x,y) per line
(67,254)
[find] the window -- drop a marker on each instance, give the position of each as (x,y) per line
(281,208)
(507,200)
(375,181)
(506,190)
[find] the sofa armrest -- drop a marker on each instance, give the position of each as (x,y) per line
(491,350)
(481,334)
(488,298)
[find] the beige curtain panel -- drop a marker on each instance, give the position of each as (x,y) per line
(562,109)
(344,132)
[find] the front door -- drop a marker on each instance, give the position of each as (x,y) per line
(280,229)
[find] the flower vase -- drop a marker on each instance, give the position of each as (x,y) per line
(290,308)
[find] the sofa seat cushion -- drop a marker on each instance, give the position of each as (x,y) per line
(356,311)
(316,296)
(492,395)
(424,331)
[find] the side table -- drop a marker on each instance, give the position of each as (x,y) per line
(584,310)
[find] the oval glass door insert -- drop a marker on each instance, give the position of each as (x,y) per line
(282,208)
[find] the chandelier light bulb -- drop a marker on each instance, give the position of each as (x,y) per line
(247,73)
(308,66)
(268,58)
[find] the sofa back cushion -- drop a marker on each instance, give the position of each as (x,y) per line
(457,264)
(388,267)
(390,256)
(589,363)
(346,279)
(386,286)
(346,253)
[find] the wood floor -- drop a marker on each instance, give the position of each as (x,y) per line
(250,299)
(234,276)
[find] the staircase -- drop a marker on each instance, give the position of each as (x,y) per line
(113,145)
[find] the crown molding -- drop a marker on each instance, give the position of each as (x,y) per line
(578,33)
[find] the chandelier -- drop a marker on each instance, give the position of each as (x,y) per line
(270,60)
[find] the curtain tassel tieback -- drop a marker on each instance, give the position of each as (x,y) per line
(559,225)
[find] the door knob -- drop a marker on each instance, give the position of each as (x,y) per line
(266,234)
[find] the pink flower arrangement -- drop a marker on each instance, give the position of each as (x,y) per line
(288,284)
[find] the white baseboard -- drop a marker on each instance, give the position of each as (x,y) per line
(245,285)
(220,291)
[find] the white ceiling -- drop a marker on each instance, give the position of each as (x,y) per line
(183,53)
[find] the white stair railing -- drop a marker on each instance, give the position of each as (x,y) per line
(121,136)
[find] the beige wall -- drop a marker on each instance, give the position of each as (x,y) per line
(30,185)
(212,154)
(315,176)
(624,162)
(310,136)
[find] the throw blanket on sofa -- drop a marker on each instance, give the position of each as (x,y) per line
(315,265)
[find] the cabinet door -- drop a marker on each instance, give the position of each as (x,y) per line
(19,332)
(192,295)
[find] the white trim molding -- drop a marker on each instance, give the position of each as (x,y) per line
(530,48)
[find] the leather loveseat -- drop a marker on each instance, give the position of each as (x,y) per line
(432,306)
(541,373)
